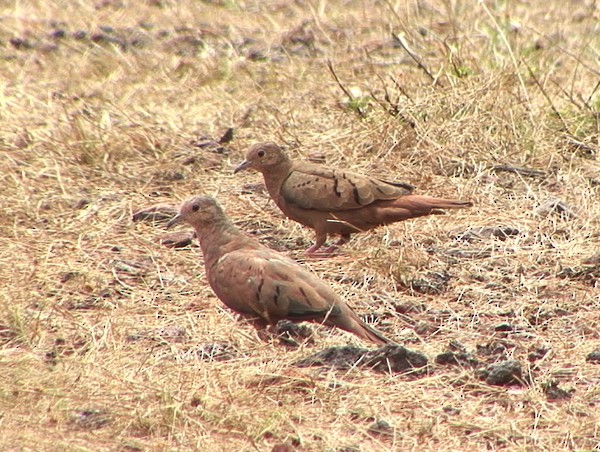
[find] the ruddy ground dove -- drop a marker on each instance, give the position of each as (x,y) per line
(255,280)
(334,201)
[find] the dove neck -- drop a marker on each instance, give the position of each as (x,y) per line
(276,175)
(217,238)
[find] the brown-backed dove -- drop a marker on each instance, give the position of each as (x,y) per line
(333,201)
(255,280)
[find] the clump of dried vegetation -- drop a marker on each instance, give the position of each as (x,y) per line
(111,341)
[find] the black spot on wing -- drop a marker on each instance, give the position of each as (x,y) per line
(306,297)
(355,192)
(335,187)
(408,187)
(276,296)
(259,289)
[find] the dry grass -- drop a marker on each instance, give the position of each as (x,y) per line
(100,325)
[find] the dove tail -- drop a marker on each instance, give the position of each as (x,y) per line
(438,203)
(371,334)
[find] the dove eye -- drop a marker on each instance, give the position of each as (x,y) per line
(261,153)
(195,207)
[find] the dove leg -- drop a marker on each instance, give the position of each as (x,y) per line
(316,251)
(331,249)
(320,239)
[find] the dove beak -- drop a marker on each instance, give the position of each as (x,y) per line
(242,166)
(175,220)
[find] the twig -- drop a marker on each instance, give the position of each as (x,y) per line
(415,58)
(343,88)
(539,85)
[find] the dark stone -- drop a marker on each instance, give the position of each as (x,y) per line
(409,307)
(159,213)
(20,43)
(434,283)
(338,357)
(216,352)
(291,333)
(553,392)
(457,359)
(593,357)
(537,353)
(179,239)
(91,419)
(381,427)
(396,359)
(227,136)
(486,232)
(504,327)
(503,373)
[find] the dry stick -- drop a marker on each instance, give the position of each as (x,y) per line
(346,92)
(391,107)
(539,85)
(401,89)
(568,95)
(415,58)
(586,101)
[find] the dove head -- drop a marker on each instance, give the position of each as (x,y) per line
(198,211)
(263,157)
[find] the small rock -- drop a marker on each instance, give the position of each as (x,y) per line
(257,54)
(79,35)
(81,203)
(424,328)
(381,427)
(554,205)
(258,187)
(410,307)
(216,352)
(58,33)
(179,239)
(462,253)
(527,172)
(283,447)
(209,145)
(592,260)
(537,353)
(389,358)
(479,233)
(132,268)
(91,419)
(159,213)
(495,350)
(396,359)
(291,333)
(317,157)
(593,357)
(553,392)
(503,373)
(22,139)
(337,357)
(448,409)
(434,283)
(504,327)
(227,136)
(457,359)
(589,274)
(20,43)
(164,334)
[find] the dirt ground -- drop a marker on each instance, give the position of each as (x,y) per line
(112,341)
